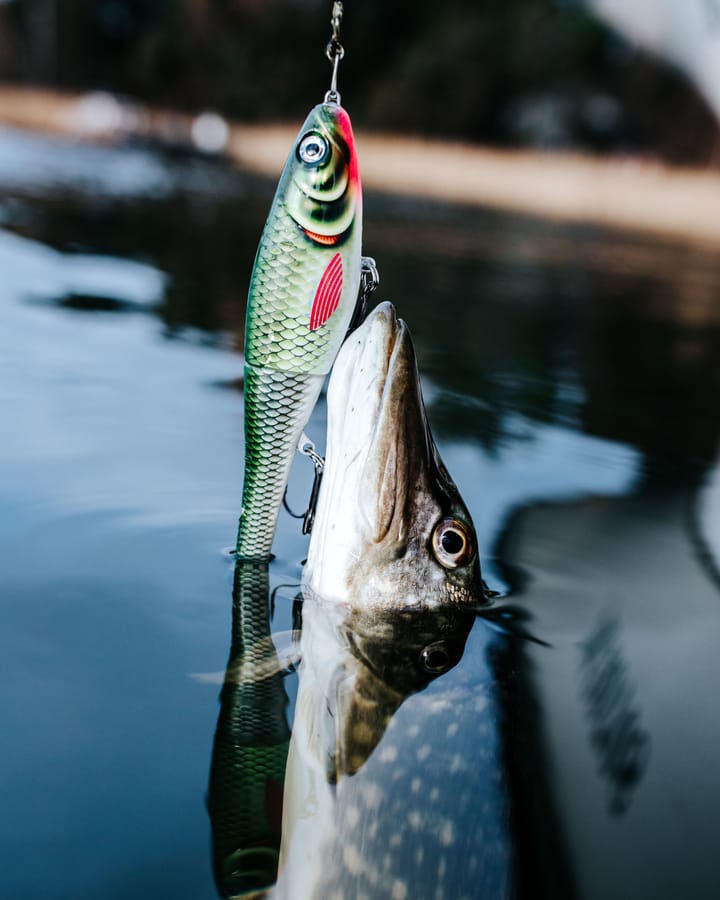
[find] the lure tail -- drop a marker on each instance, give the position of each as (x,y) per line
(277,407)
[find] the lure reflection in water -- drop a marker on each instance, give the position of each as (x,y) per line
(393,785)
(251,745)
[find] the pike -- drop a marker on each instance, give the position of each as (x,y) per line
(392,588)
(391,786)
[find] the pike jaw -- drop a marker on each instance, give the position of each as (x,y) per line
(391,530)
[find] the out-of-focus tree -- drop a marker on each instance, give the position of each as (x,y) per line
(539,72)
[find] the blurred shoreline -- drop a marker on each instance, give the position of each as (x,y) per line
(616,192)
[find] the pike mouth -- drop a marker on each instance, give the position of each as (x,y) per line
(376,387)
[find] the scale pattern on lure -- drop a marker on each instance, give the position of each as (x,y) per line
(302,297)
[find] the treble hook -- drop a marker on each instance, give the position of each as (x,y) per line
(335,52)
(369,280)
(307,448)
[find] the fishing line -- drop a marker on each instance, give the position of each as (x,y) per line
(335,52)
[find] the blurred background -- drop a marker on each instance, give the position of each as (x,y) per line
(544,73)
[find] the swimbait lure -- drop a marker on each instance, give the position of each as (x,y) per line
(302,296)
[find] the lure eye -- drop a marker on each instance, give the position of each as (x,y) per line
(452,543)
(312,149)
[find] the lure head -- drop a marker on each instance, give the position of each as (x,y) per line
(322,190)
(306,276)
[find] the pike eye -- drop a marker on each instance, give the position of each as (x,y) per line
(452,543)
(439,657)
(435,658)
(313,149)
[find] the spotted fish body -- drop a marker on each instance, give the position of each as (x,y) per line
(302,296)
(394,786)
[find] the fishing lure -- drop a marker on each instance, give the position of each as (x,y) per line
(302,297)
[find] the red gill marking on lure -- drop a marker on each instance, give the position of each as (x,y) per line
(327,295)
(326,302)
(326,239)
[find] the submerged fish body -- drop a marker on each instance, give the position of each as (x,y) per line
(302,296)
(364,664)
(394,784)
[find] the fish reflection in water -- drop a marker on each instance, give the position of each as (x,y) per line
(392,786)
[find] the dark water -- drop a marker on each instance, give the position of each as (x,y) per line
(572,379)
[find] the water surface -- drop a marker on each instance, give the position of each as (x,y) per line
(571,377)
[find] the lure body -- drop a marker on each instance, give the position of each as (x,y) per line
(301,300)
